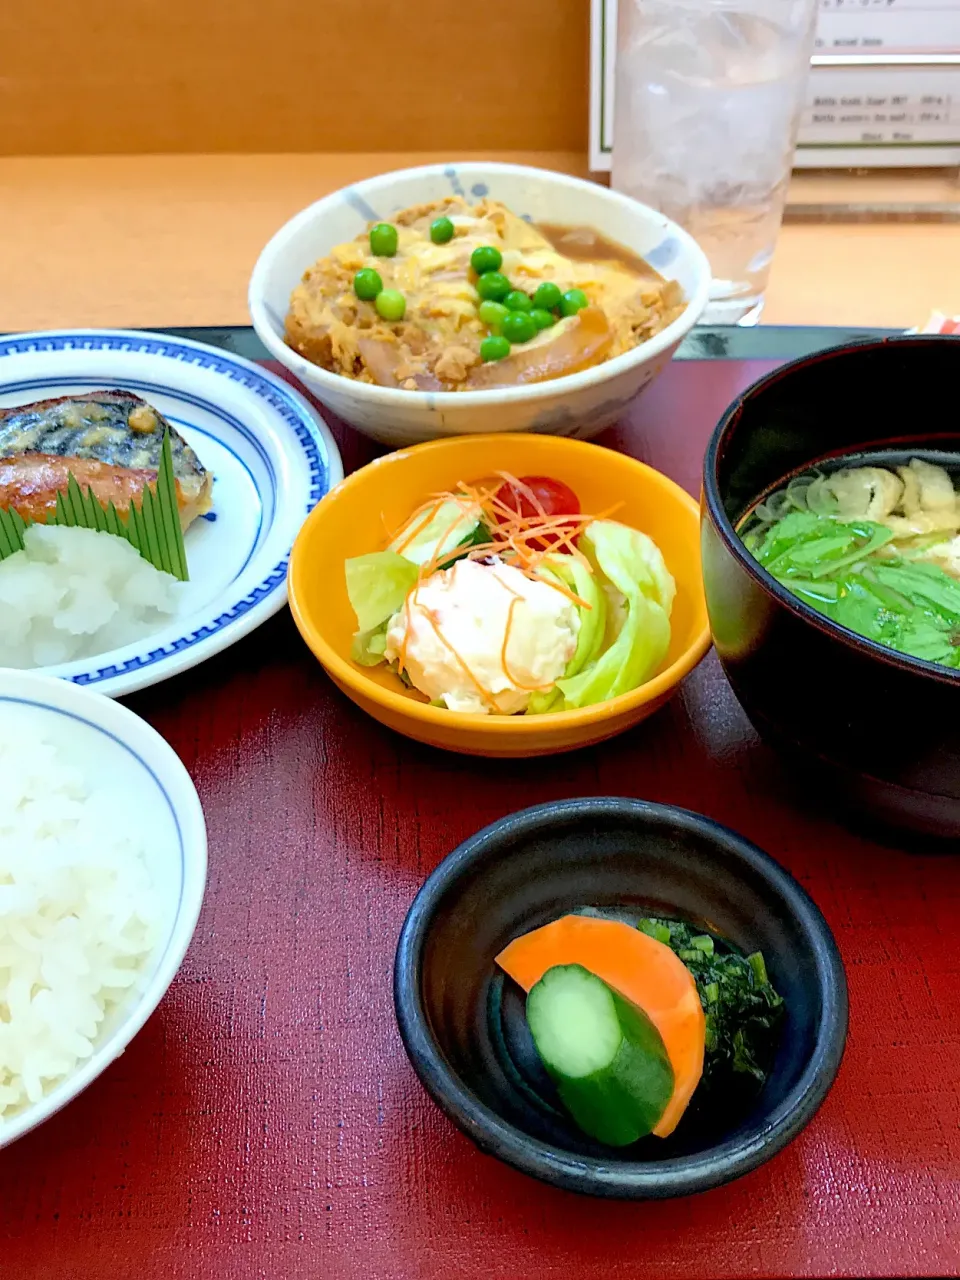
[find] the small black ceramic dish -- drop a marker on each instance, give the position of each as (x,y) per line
(880,729)
(462,1021)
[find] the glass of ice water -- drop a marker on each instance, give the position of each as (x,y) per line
(708,101)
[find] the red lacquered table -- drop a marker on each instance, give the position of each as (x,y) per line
(266,1123)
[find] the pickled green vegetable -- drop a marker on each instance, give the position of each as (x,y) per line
(741,1007)
(604,1054)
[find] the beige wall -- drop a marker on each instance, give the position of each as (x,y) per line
(109,76)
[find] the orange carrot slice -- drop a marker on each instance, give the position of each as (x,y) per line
(639,968)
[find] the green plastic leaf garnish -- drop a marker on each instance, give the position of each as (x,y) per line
(11,533)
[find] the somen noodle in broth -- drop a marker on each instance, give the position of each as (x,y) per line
(873,543)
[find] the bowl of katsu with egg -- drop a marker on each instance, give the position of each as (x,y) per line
(454,299)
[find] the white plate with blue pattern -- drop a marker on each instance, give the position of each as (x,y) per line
(272,456)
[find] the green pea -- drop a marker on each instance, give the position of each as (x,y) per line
(493,286)
(494,348)
(542,319)
(383,240)
(441,230)
(547,297)
(391,304)
(492,314)
(573,300)
(486,258)
(367,284)
(516,300)
(518,326)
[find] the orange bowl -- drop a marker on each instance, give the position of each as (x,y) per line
(355,517)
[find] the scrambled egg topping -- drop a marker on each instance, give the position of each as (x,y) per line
(437,344)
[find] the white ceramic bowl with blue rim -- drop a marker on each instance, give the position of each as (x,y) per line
(580,404)
(115,749)
(272,456)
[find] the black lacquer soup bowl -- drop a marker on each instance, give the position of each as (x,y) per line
(875,729)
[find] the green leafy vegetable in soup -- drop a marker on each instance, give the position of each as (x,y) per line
(875,549)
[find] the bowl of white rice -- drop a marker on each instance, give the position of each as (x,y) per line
(103,859)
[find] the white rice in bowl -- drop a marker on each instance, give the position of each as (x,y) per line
(77,924)
(75,593)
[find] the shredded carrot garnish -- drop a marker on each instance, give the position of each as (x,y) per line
(413,528)
(563,589)
(507,587)
(524,539)
(506,639)
(465,514)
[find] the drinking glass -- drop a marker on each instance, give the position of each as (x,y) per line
(708,100)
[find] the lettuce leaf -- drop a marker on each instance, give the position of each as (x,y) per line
(627,556)
(368,648)
(632,658)
(377,585)
(453,527)
(593,618)
(544,701)
(630,563)
(574,575)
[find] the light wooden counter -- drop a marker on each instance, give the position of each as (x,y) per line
(171,240)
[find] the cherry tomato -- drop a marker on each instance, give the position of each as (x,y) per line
(552,498)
